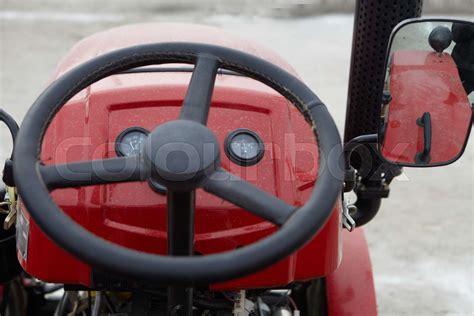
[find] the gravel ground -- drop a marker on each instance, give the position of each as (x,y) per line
(422,240)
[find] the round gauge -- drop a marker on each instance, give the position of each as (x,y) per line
(131,142)
(244,147)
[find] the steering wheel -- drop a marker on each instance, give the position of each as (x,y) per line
(183,155)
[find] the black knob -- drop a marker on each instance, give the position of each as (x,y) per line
(386,97)
(440,38)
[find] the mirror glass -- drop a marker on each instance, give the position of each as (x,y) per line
(428,91)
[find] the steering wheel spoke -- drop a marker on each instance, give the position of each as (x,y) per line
(93,172)
(243,194)
(198,97)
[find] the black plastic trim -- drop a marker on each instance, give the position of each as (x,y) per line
(181,212)
(176,69)
(241,193)
(366,210)
(156,186)
(86,173)
(425,122)
(198,98)
(235,158)
(120,137)
(11,124)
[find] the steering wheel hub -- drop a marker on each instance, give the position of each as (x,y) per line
(181,153)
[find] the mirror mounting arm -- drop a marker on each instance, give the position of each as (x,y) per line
(372,188)
(349,147)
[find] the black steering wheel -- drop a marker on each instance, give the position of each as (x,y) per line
(182,155)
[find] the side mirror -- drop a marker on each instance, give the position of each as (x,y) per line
(426,113)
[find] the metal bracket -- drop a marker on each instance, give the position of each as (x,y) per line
(347,220)
(373,192)
(242,306)
(10,200)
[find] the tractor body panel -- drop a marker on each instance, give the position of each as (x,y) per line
(132,214)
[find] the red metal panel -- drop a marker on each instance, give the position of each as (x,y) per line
(350,289)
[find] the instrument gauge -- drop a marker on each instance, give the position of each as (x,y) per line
(244,147)
(131,142)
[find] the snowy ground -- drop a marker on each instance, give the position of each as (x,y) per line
(422,240)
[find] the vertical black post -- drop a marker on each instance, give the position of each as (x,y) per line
(373,24)
(180,243)
(374,21)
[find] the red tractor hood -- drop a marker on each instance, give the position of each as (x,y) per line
(137,34)
(132,214)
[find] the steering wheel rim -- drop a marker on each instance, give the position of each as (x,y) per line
(299,228)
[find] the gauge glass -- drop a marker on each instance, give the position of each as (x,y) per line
(244,147)
(131,142)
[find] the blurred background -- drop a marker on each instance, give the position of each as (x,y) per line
(279,8)
(422,240)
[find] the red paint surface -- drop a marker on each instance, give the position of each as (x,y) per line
(132,214)
(350,289)
(425,82)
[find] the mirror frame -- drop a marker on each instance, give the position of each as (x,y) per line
(395,30)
